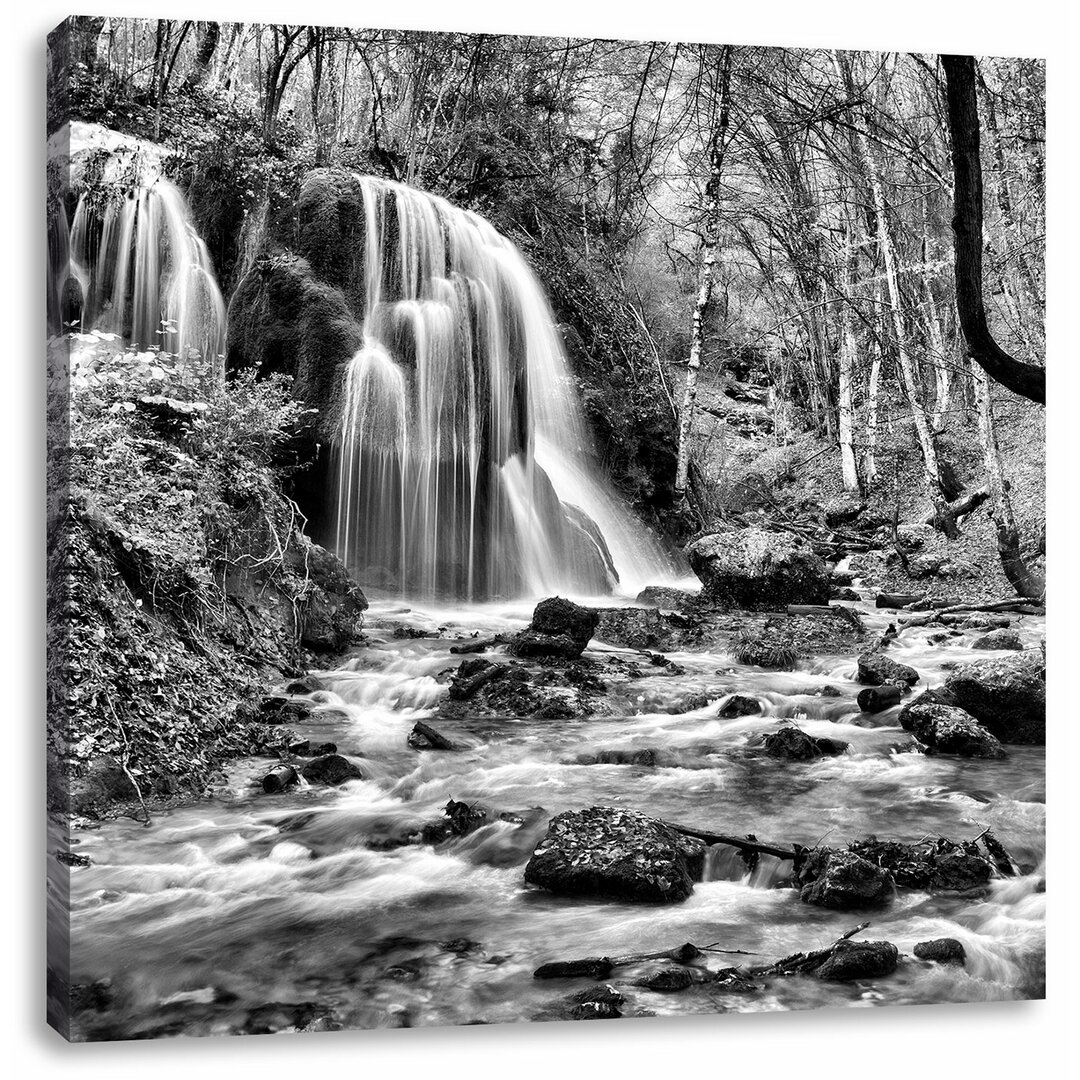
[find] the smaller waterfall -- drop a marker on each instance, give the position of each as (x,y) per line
(463,466)
(132,263)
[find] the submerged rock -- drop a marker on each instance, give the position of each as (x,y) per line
(331,769)
(739,705)
(645,758)
(758,570)
(559,628)
(859,960)
(793,744)
(1005,694)
(617,854)
(643,628)
(999,639)
(945,950)
(662,596)
(843,880)
(945,729)
(876,669)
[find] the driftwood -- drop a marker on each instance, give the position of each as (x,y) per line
(965,504)
(479,645)
(896,600)
(743,843)
(279,778)
(425,737)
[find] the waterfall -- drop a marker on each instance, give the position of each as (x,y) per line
(132,263)
(463,466)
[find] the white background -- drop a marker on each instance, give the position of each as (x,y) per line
(990,1040)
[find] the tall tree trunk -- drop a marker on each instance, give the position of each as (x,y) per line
(845,396)
(705,280)
(1026,581)
(911,388)
(205,46)
(1027,380)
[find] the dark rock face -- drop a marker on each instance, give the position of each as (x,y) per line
(739,705)
(944,950)
(617,854)
(843,881)
(661,596)
(482,688)
(591,967)
(559,628)
(1007,695)
(331,614)
(859,960)
(643,628)
(999,639)
(876,669)
(939,865)
(669,978)
(793,744)
(875,699)
(758,570)
(945,729)
(842,509)
(332,769)
(645,758)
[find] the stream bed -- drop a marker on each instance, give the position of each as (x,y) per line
(250,912)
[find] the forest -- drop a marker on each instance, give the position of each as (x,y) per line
(491,475)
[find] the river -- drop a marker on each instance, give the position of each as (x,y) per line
(249,912)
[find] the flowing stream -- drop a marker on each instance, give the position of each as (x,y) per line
(256,912)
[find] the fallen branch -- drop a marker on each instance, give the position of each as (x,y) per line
(964,505)
(743,844)
(799,963)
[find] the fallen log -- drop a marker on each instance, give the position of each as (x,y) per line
(480,645)
(425,737)
(875,699)
(742,843)
(964,505)
(897,600)
(279,778)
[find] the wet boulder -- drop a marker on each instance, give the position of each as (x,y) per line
(646,758)
(669,978)
(617,854)
(758,570)
(559,628)
(307,684)
(332,769)
(945,729)
(877,669)
(1003,638)
(1005,694)
(591,967)
(945,950)
(332,609)
(875,699)
(842,880)
(793,744)
(642,628)
(842,509)
(739,705)
(851,960)
(940,865)
(662,596)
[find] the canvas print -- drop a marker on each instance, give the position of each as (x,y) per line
(540,528)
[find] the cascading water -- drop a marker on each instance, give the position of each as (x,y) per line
(463,466)
(132,263)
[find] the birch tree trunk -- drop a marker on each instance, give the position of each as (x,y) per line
(1026,581)
(845,402)
(705,282)
(931,467)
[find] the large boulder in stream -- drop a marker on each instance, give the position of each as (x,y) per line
(758,570)
(859,960)
(945,729)
(843,880)
(791,743)
(1005,694)
(877,669)
(617,854)
(559,628)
